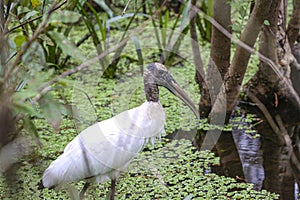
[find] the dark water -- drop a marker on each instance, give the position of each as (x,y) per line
(251,156)
(249,150)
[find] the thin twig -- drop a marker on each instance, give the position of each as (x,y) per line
(284,132)
(124,10)
(22,24)
(7,10)
(281,134)
(90,100)
(38,31)
(267,115)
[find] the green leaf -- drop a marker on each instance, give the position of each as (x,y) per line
(185,15)
(51,110)
(64,16)
(29,15)
(25,94)
(31,128)
(103,5)
(67,46)
(166,22)
(38,79)
(35,3)
(23,108)
(19,40)
(267,23)
(34,58)
(23,9)
(103,30)
(139,52)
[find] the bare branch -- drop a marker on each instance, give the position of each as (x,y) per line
(124,10)
(195,43)
(22,24)
(267,115)
(35,35)
(281,133)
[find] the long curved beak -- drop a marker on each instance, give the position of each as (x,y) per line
(173,86)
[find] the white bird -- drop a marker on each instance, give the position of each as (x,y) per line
(105,149)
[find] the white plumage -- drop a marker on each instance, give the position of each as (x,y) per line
(106,148)
(120,138)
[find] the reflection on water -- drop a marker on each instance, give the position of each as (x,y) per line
(251,156)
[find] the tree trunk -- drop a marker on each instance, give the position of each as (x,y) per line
(276,100)
(210,85)
(217,68)
(241,56)
(271,90)
(205,103)
(294,24)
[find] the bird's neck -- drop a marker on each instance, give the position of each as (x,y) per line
(151,91)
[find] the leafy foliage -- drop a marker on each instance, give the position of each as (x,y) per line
(45,39)
(240,15)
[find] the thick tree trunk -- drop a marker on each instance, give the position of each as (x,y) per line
(219,52)
(241,56)
(270,89)
(278,172)
(272,92)
(210,86)
(220,44)
(217,68)
(205,102)
(271,153)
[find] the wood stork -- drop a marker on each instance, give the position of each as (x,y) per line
(105,149)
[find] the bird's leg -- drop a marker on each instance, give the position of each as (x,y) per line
(112,189)
(84,189)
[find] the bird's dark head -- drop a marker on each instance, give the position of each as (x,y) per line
(156,75)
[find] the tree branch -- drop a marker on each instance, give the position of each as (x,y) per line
(281,133)
(37,32)
(194,41)
(267,115)
(22,24)
(245,49)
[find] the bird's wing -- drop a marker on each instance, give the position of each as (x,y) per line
(116,141)
(106,146)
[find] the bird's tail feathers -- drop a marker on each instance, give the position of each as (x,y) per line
(40,185)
